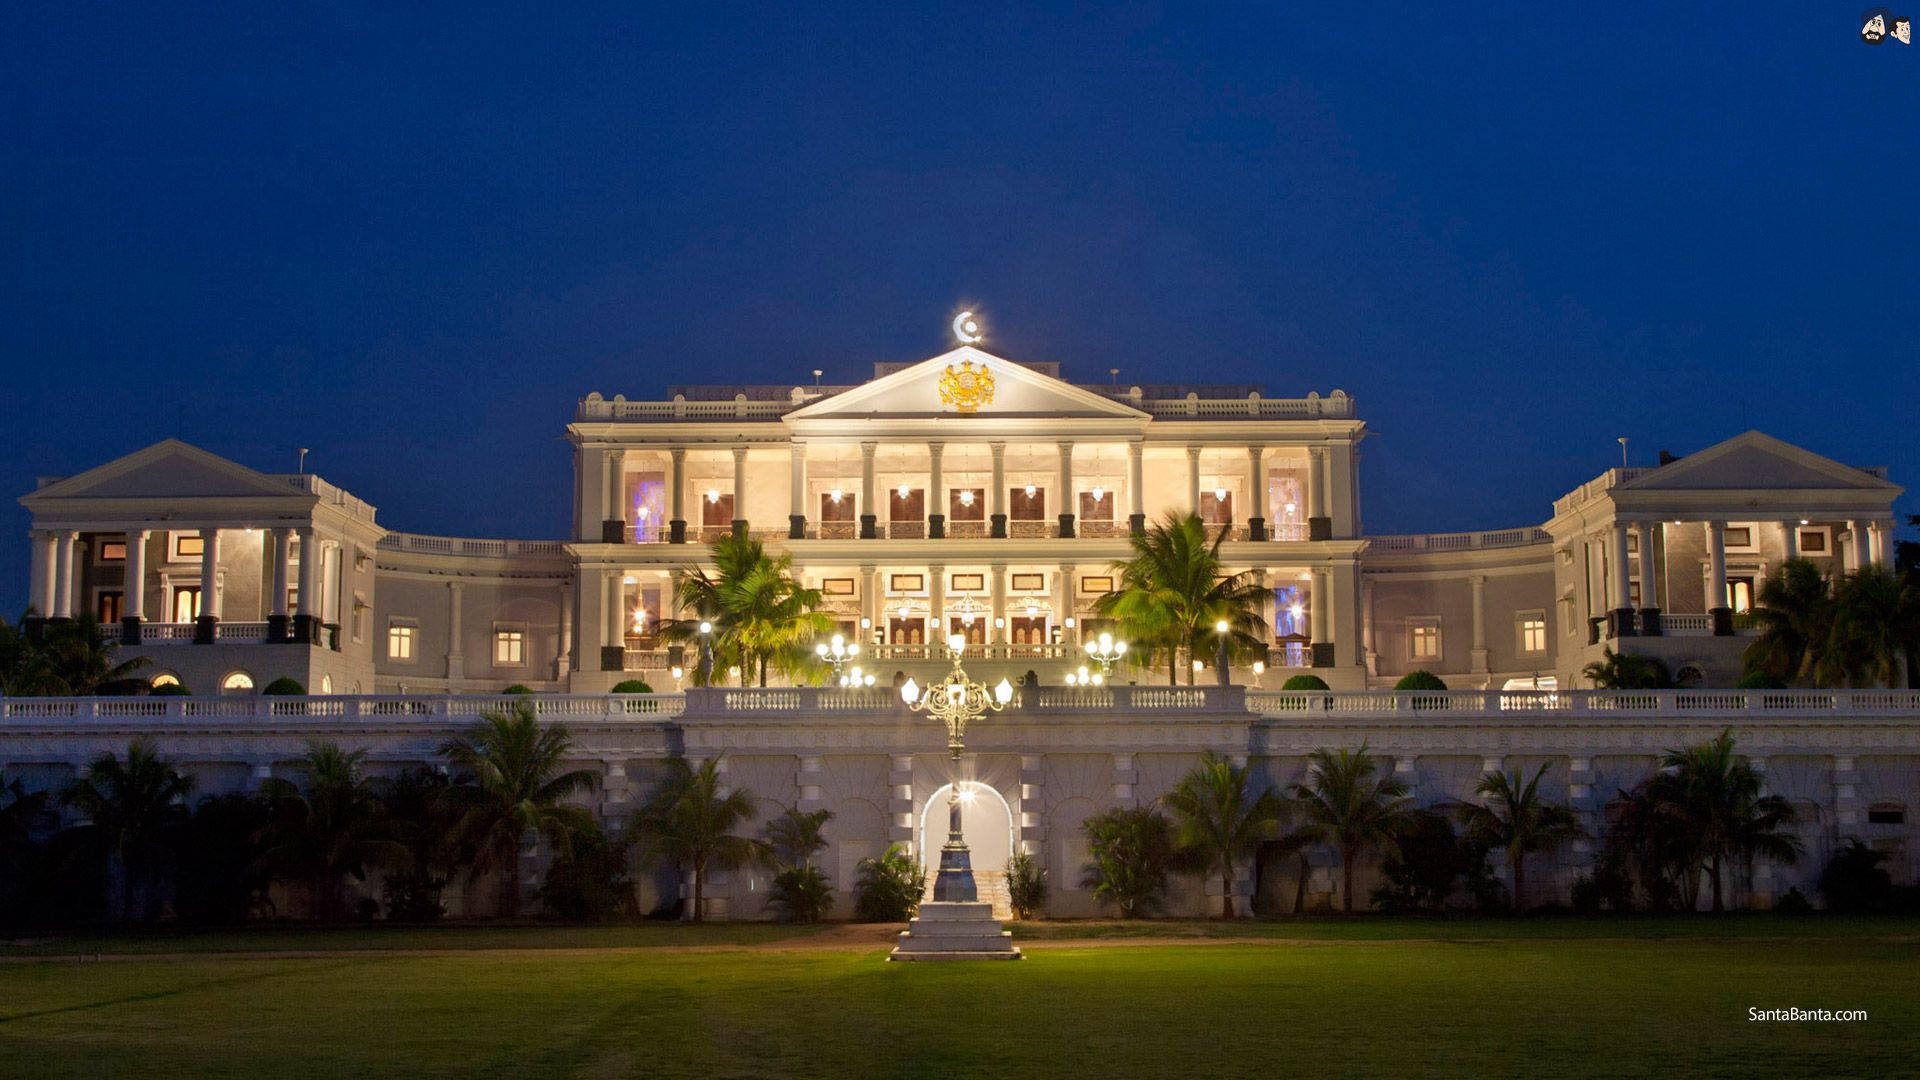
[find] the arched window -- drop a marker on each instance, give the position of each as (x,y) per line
(237,683)
(1689,675)
(326,684)
(165,679)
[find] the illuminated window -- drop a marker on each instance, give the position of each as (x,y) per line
(400,641)
(1423,639)
(165,680)
(509,647)
(113,550)
(237,683)
(188,546)
(186,603)
(1740,594)
(1533,632)
(107,610)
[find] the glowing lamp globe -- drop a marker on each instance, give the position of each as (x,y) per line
(1003,692)
(910,691)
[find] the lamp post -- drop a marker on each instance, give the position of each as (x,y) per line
(705,671)
(1104,650)
(1220,629)
(956,701)
(837,652)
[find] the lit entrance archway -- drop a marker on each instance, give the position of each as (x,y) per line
(985,819)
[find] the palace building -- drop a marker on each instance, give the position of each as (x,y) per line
(973,495)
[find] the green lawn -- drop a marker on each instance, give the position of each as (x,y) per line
(1547,999)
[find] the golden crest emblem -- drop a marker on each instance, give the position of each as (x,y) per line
(968,388)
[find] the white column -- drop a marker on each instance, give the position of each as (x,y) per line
(1790,539)
(999,627)
(1316,485)
(309,577)
(210,572)
(456,660)
(1622,589)
(869,507)
(63,574)
(997,497)
(134,582)
(277,545)
(936,480)
(1649,566)
(1069,505)
(1479,656)
(1136,480)
(1065,609)
(1319,599)
(1716,566)
(46,583)
(936,606)
(1858,549)
(676,489)
(1366,622)
(616,470)
(796,491)
(870,598)
(1256,484)
(1883,544)
(740,485)
(1193,480)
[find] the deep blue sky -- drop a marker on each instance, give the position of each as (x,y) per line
(410,241)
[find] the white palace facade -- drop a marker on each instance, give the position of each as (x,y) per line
(923,504)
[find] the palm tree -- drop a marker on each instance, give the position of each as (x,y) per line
(517,788)
(1514,816)
(1876,626)
(760,615)
(1347,805)
(690,824)
(132,808)
(1219,821)
(1711,795)
(330,829)
(1795,617)
(796,836)
(1628,671)
(1130,850)
(1173,590)
(68,658)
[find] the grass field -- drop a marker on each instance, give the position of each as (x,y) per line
(1321,998)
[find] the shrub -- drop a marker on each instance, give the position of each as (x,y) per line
(1304,682)
(171,690)
(1421,866)
(518,688)
(1794,902)
(632,686)
(1759,680)
(1132,852)
(1420,680)
(889,887)
(587,880)
(1026,885)
(801,894)
(285,685)
(1854,881)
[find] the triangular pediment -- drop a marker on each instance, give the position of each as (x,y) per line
(1757,462)
(1017,391)
(166,470)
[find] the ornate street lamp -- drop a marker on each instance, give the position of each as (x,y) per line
(837,652)
(1220,629)
(1104,650)
(956,701)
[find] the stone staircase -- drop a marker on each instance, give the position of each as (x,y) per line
(991,885)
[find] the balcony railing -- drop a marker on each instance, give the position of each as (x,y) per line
(1467,541)
(1616,703)
(457,545)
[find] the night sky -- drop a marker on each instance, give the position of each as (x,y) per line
(410,241)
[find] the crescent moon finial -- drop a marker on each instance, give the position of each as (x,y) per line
(966,328)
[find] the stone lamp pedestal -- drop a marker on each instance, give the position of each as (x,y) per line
(955,930)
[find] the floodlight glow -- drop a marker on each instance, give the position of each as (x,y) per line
(713,495)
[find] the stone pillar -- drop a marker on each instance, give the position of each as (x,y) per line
(936,492)
(740,492)
(1256,494)
(133,585)
(1136,488)
(1479,583)
(456,659)
(1621,617)
(1069,505)
(1790,539)
(870,601)
(564,662)
(63,573)
(1319,524)
(279,543)
(613,523)
(203,631)
(1717,579)
(1367,639)
(1650,544)
(997,497)
(677,495)
(999,626)
(613,621)
(1193,480)
(1846,799)
(1856,545)
(936,606)
(796,492)
(868,517)
(306,621)
(1064,610)
(1321,618)
(46,581)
